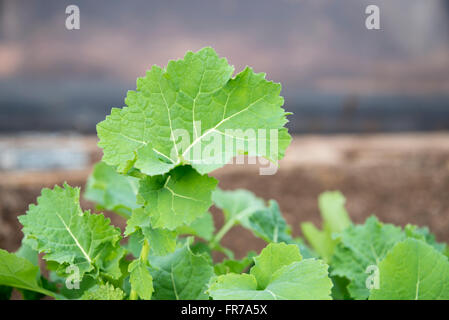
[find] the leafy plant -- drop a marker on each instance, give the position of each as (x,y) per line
(157,153)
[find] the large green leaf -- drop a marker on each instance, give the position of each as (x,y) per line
(194,99)
(67,234)
(279,273)
(19,273)
(335,220)
(413,270)
(111,190)
(362,246)
(178,198)
(181,275)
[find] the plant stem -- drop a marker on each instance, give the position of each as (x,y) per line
(228,225)
(144,252)
(220,234)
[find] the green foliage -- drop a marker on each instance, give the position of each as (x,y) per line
(19,273)
(158,151)
(279,273)
(413,270)
(181,275)
(170,201)
(198,88)
(360,247)
(234,266)
(141,279)
(65,233)
(104,292)
(335,220)
(111,190)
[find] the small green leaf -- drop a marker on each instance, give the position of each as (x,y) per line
(103,292)
(335,220)
(65,233)
(111,190)
(234,266)
(271,259)
(202,227)
(333,212)
(141,279)
(237,205)
(162,241)
(413,270)
(171,201)
(269,224)
(181,275)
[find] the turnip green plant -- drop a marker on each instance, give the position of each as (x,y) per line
(183,122)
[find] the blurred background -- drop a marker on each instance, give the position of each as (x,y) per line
(370,107)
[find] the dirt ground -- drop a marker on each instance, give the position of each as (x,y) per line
(401,178)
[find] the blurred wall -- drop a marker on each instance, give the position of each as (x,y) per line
(337,76)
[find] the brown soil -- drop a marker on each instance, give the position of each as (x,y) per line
(400,178)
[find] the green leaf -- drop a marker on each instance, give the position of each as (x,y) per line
(194,99)
(362,246)
(181,275)
(335,220)
(19,273)
(340,288)
(134,245)
(243,207)
(110,260)
(27,252)
(413,270)
(269,224)
(237,205)
(161,241)
(271,259)
(306,252)
(278,274)
(5,292)
(111,190)
(333,212)
(86,283)
(202,227)
(104,292)
(177,198)
(234,266)
(141,279)
(423,233)
(67,234)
